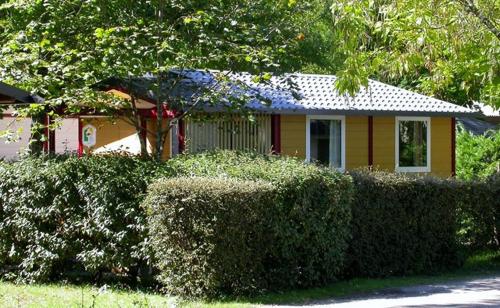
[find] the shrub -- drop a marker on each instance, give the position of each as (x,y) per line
(67,214)
(211,235)
(477,156)
(479,213)
(402,225)
(310,215)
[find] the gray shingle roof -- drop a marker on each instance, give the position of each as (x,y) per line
(318,96)
(310,94)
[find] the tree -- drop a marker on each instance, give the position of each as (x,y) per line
(478,157)
(61,49)
(445,48)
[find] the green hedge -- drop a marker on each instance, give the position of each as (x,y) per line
(67,214)
(211,236)
(63,215)
(479,213)
(310,215)
(403,225)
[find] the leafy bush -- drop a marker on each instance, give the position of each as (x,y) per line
(310,216)
(477,156)
(211,236)
(479,213)
(402,225)
(66,213)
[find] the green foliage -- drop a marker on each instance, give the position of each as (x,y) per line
(479,213)
(211,235)
(440,48)
(69,214)
(310,216)
(61,49)
(234,223)
(477,156)
(402,225)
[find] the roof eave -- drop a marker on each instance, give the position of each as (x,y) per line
(369,112)
(18,96)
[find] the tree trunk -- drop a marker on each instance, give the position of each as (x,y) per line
(143,133)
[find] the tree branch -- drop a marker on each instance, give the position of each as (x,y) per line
(471,8)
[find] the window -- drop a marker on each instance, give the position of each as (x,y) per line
(325,140)
(413,144)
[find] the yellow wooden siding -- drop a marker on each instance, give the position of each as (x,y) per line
(293,140)
(293,135)
(109,131)
(384,143)
(441,146)
(356,146)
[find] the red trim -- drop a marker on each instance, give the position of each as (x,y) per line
(80,140)
(453,146)
(151,113)
(370,141)
(276,133)
(180,136)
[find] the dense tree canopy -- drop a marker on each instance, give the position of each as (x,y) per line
(51,46)
(445,48)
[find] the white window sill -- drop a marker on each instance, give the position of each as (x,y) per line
(413,169)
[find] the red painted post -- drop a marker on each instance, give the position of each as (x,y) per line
(370,141)
(453,146)
(276,133)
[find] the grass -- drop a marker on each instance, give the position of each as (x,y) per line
(12,295)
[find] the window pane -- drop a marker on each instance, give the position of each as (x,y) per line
(413,143)
(325,147)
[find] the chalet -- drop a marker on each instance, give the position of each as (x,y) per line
(382,126)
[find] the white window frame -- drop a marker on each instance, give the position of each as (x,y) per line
(342,142)
(413,169)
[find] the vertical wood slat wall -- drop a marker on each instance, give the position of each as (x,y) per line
(234,134)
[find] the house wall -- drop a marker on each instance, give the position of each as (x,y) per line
(441,147)
(293,142)
(113,135)
(293,135)
(384,143)
(356,146)
(119,135)
(67,136)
